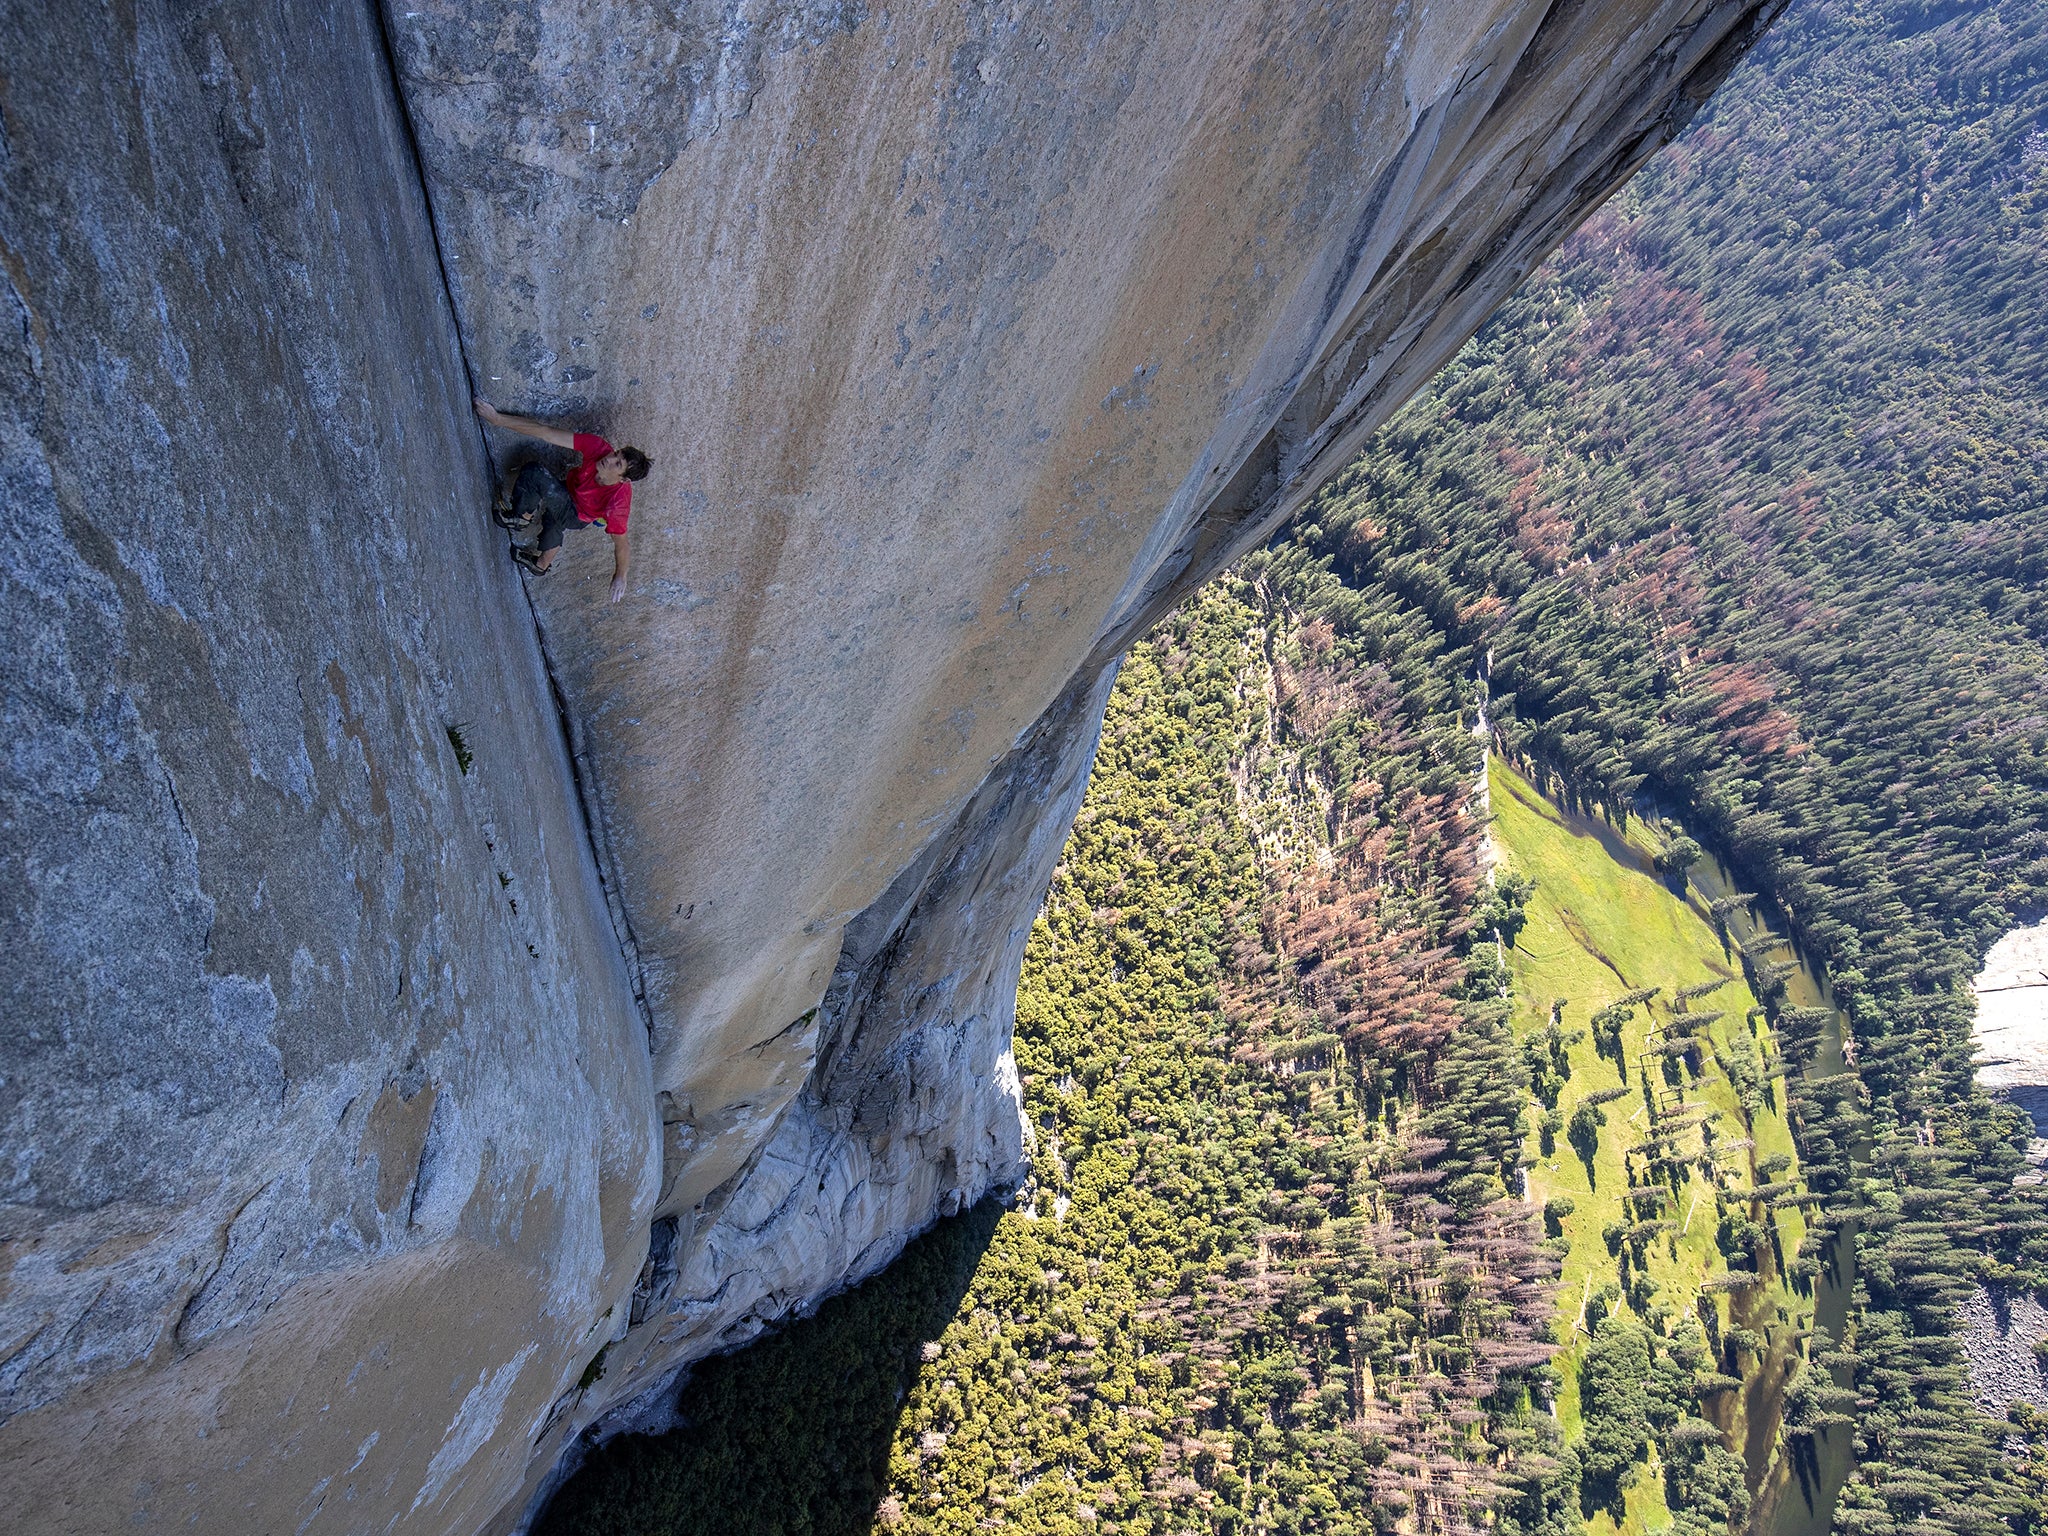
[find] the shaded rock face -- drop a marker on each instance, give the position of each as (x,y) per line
(356,1099)
(329,1136)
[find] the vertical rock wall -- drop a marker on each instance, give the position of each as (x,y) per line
(329,1137)
(964,338)
(380,1112)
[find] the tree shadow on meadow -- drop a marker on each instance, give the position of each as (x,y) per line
(789,1436)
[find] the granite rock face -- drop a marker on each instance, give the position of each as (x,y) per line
(427,1042)
(329,1135)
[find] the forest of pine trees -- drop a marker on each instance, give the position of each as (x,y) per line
(1739,506)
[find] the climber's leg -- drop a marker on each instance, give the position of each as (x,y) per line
(558,516)
(526,494)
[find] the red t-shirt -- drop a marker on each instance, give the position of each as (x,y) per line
(607,504)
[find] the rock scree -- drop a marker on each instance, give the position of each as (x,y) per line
(1998,1329)
(442,1011)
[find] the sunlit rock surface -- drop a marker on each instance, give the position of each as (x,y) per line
(2011,1032)
(2012,1020)
(1999,1330)
(376,1125)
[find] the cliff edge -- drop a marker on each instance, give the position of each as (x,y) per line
(443,1011)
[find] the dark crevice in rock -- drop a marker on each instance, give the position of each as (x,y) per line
(579,770)
(658,1274)
(415,165)
(580,774)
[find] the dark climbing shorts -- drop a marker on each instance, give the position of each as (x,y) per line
(540,490)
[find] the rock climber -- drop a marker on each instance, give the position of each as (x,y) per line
(598,490)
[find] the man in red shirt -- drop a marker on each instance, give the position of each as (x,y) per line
(599,490)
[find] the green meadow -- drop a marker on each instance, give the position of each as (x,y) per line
(1664,1177)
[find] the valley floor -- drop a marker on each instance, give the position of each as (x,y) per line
(1301,1118)
(1603,925)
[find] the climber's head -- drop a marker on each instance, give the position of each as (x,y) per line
(622,464)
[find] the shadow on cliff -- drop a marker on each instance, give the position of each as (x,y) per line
(790,1436)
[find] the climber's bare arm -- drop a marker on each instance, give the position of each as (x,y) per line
(525,426)
(618,566)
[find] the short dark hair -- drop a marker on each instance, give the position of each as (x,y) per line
(637,463)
